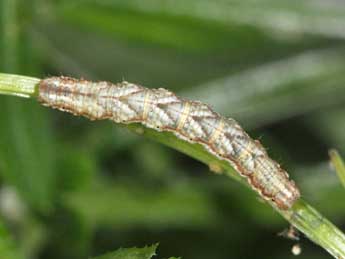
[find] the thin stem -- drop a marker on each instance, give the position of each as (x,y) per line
(304,217)
(316,227)
(22,86)
(338,164)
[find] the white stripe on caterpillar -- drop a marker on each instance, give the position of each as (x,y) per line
(189,120)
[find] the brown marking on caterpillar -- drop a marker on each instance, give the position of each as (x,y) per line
(191,121)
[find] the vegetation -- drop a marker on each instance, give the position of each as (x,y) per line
(87,188)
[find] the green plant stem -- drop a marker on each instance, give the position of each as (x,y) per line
(22,86)
(302,216)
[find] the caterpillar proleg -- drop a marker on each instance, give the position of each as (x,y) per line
(189,120)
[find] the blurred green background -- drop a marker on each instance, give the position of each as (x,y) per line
(71,188)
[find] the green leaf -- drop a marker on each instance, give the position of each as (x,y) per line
(266,93)
(8,248)
(148,28)
(27,151)
(26,146)
(131,253)
(137,205)
(295,17)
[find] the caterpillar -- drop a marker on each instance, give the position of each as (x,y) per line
(192,121)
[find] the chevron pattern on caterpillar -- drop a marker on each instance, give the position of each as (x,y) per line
(191,121)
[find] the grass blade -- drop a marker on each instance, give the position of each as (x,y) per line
(338,164)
